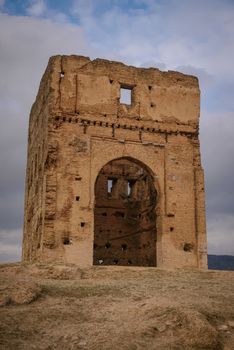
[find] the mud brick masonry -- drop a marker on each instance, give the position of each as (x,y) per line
(114,174)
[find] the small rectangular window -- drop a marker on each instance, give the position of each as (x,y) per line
(126,95)
(110,185)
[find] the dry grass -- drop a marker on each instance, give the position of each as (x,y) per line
(115,308)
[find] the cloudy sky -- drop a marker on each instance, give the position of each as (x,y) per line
(192,36)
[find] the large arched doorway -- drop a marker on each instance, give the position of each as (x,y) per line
(124,215)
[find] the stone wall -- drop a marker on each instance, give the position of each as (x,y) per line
(79,124)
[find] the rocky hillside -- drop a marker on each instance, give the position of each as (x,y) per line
(63,307)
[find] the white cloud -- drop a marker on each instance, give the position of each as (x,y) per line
(199,34)
(216,131)
(10,245)
(205,78)
(26,44)
(37,8)
(221,235)
(149,64)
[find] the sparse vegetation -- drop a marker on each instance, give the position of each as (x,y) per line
(116,308)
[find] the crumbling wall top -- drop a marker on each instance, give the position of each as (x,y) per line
(81,85)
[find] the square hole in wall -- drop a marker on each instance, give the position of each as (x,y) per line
(125,95)
(82,224)
(66,241)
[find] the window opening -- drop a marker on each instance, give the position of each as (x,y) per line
(129,189)
(131,183)
(110,185)
(126,96)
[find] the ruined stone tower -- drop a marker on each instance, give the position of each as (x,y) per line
(114,173)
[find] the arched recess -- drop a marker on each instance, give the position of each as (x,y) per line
(125,215)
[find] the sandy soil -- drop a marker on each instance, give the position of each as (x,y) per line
(63,307)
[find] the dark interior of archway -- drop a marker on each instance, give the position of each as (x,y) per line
(124,215)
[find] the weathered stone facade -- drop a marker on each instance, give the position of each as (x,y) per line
(110,182)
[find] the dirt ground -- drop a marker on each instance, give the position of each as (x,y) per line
(63,307)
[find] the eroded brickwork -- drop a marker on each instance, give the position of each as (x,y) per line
(110,181)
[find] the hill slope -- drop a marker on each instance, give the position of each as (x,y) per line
(63,307)
(221,262)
